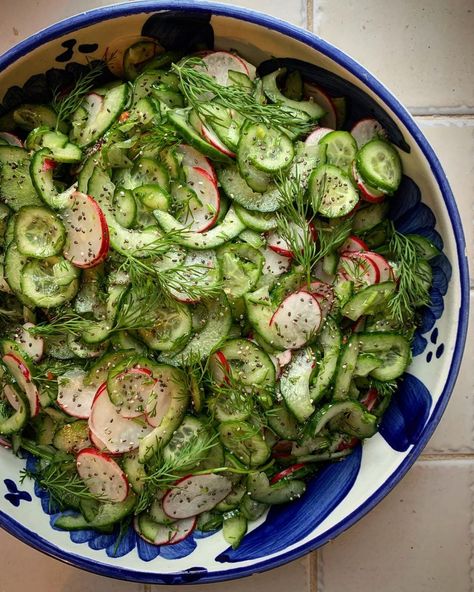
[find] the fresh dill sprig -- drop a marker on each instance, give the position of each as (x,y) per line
(414,278)
(309,239)
(67,322)
(66,101)
(161,136)
(198,87)
(384,388)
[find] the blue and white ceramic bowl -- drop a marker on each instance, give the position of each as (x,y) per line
(343,492)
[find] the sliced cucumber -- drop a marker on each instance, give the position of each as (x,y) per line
(379,164)
(245,442)
(341,149)
(39,232)
(332,192)
(393,349)
(49,283)
(236,187)
(266,148)
(282,492)
(349,417)
(369,301)
(172,327)
(295,381)
(16,187)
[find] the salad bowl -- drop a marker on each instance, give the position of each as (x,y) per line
(340,493)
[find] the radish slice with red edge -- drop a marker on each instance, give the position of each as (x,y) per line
(297,319)
(370,398)
(278,244)
(359,269)
(367,129)
(18,368)
(201,213)
(210,135)
(183,528)
(274,263)
(87,241)
(316,135)
(195,494)
(218,64)
(133,387)
(100,445)
(368,193)
(220,367)
(324,294)
(11,396)
(193,158)
(323,100)
(383,266)
(102,475)
(345,445)
(11,139)
(31,345)
(353,244)
(158,403)
(5,443)
(74,397)
(118,433)
(284,357)
(286,473)
(359,325)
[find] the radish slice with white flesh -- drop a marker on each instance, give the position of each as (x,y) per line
(193,158)
(353,244)
(280,245)
(218,64)
(284,357)
(87,241)
(384,267)
(32,345)
(367,129)
(158,403)
(102,475)
(21,373)
(133,387)
(276,363)
(359,269)
(297,319)
(183,528)
(323,100)
(368,193)
(11,396)
(273,263)
(324,294)
(210,135)
(74,397)
(93,105)
(11,139)
(101,447)
(195,494)
(118,433)
(200,213)
(316,135)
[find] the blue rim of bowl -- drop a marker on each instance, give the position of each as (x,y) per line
(83,20)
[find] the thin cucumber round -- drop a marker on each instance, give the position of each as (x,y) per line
(379,164)
(39,232)
(331,191)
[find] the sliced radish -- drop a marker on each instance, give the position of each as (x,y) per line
(11,396)
(274,263)
(383,266)
(18,368)
(278,244)
(353,244)
(11,139)
(316,135)
(5,443)
(32,345)
(158,403)
(118,433)
(370,398)
(93,105)
(102,475)
(74,397)
(324,294)
(345,445)
(367,129)
(319,272)
(193,158)
(200,214)
(368,193)
(286,473)
(220,367)
(359,269)
(323,100)
(297,319)
(183,528)
(210,135)
(218,64)
(87,231)
(134,386)
(195,494)
(284,357)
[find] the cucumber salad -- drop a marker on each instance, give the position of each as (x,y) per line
(203,299)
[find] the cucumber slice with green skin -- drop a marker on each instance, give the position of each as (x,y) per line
(57,142)
(282,422)
(41,171)
(369,301)
(330,340)
(241,267)
(349,417)
(282,492)
(341,149)
(171,329)
(134,470)
(125,207)
(145,82)
(226,123)
(231,502)
(153,196)
(179,120)
(270,88)
(107,515)
(266,148)
(192,435)
(257,221)
(97,114)
(234,529)
(168,96)
(393,349)
(16,187)
(346,367)
(379,164)
(252,509)
(369,217)
(11,424)
(230,227)
(245,442)
(237,188)
(331,191)
(136,57)
(295,381)
(256,179)
(293,86)
(72,437)
(366,363)
(212,335)
(97,373)
(39,233)
(49,283)
(425,248)
(28,117)
(149,171)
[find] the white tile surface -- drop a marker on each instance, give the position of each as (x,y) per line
(423,51)
(416,540)
(23,569)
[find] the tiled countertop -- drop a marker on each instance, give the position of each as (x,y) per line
(420,538)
